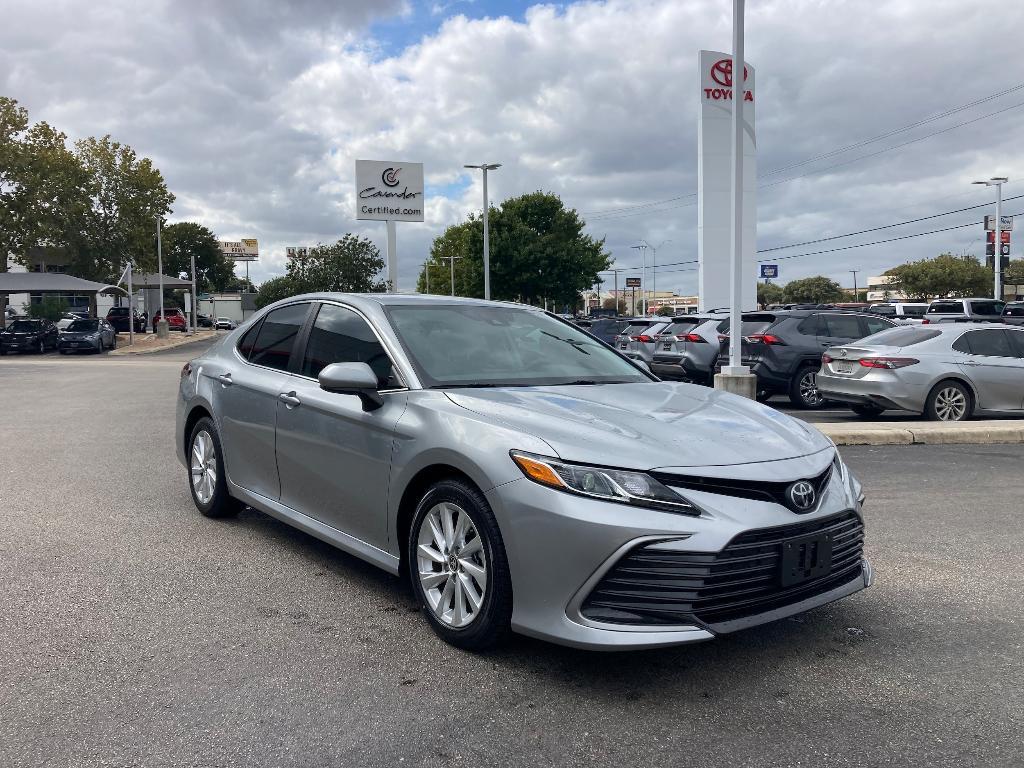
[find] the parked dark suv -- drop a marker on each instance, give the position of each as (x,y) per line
(118,317)
(785,352)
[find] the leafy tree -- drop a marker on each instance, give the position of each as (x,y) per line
(813,290)
(238,284)
(538,252)
(353,265)
(275,289)
(769,293)
(126,194)
(619,306)
(1014,274)
(50,308)
(665,311)
(944,276)
(455,241)
(214,270)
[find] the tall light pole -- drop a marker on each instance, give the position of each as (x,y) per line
(856,296)
(162,323)
(997,182)
(195,326)
(485,167)
(643,275)
(654,265)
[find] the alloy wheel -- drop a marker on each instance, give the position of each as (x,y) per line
(204,467)
(809,388)
(950,404)
(452,565)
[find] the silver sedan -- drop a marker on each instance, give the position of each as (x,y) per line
(523,475)
(947,372)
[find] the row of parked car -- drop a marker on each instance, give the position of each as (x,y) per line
(968,355)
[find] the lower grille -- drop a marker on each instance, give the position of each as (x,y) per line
(660,587)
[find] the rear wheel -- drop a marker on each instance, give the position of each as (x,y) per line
(458,567)
(866,410)
(949,401)
(803,389)
(206,472)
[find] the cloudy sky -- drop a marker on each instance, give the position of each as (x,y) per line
(255,111)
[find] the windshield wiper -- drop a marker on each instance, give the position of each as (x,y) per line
(577,345)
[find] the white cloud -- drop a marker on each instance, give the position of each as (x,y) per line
(257,114)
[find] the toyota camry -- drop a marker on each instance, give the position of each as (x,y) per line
(523,475)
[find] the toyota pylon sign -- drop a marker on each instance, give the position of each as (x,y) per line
(389,190)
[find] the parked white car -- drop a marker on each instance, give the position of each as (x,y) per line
(901,312)
(225,324)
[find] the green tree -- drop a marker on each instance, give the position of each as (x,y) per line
(353,265)
(275,289)
(126,194)
(50,308)
(813,290)
(619,306)
(538,252)
(944,276)
(238,284)
(214,271)
(769,293)
(1014,274)
(665,311)
(455,241)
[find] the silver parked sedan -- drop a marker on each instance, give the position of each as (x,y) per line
(524,475)
(948,372)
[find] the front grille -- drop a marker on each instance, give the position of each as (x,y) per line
(759,490)
(660,587)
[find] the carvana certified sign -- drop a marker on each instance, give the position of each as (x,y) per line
(389,190)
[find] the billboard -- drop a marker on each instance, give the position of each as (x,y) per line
(241,250)
(769,271)
(1005,222)
(714,182)
(389,190)
(632,282)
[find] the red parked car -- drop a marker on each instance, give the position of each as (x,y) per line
(175,320)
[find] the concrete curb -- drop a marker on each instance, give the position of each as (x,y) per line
(926,433)
(136,350)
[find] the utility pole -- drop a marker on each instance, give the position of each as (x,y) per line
(856,295)
(452,258)
(485,167)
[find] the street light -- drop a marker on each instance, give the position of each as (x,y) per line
(654,266)
(643,275)
(485,167)
(997,182)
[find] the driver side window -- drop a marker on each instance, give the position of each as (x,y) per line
(339,335)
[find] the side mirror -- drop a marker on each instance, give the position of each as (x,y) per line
(352,379)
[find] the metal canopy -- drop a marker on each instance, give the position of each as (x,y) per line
(152,280)
(50,282)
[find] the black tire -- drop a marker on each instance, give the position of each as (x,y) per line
(113,343)
(866,410)
(941,399)
(491,623)
(221,504)
(798,389)
(763,395)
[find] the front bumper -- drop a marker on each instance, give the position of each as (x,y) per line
(26,345)
(560,546)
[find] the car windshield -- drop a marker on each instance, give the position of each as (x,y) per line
(888,310)
(25,325)
(1013,310)
(487,346)
(901,336)
(84,326)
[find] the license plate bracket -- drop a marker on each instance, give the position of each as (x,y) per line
(805,558)
(843,367)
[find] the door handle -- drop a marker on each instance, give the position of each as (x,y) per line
(969,362)
(225,379)
(289,399)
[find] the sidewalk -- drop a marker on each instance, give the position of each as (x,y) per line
(149,342)
(926,432)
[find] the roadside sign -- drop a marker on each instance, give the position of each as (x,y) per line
(300,251)
(240,250)
(1005,222)
(1004,249)
(389,190)
(632,282)
(1004,236)
(769,271)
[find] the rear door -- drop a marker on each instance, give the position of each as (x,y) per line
(994,367)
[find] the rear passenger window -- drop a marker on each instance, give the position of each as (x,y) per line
(989,343)
(339,335)
(842,326)
(276,337)
(987,308)
(810,326)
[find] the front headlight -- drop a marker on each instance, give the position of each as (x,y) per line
(619,485)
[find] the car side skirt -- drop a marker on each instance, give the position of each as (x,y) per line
(314,527)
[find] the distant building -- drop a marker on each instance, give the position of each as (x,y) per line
(880,289)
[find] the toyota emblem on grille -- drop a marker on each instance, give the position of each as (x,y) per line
(801,495)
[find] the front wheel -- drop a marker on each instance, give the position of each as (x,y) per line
(803,390)
(948,401)
(458,568)
(207,482)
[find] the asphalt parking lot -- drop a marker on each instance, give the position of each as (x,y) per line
(136,632)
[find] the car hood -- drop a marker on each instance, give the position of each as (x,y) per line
(647,425)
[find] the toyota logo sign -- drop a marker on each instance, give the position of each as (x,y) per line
(801,496)
(721,72)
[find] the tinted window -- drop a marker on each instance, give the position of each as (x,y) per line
(887,310)
(25,325)
(989,343)
(988,308)
(681,326)
(841,326)
(904,336)
(750,326)
(1013,310)
(276,336)
(339,335)
(874,325)
(945,307)
(245,345)
(1016,342)
(809,326)
(82,326)
(910,310)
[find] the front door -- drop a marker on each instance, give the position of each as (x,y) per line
(334,456)
(246,396)
(993,366)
